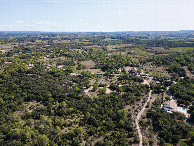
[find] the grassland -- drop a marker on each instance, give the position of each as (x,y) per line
(182,48)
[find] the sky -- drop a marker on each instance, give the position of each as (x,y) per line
(96,15)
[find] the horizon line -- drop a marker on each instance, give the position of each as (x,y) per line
(95,31)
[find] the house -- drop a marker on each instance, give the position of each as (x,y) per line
(60,66)
(158,83)
(48,68)
(142,74)
(118,71)
(170,106)
(30,66)
(133,70)
(7,62)
(75,74)
(66,94)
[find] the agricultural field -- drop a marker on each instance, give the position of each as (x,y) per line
(182,48)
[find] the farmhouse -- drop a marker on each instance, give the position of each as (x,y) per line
(170,106)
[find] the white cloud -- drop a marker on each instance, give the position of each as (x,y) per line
(46,23)
(12,26)
(9,26)
(28,25)
(20,22)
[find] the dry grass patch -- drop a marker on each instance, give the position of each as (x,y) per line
(189,74)
(30,106)
(110,47)
(89,64)
(93,47)
(94,71)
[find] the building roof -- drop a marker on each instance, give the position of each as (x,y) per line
(7,62)
(134,68)
(170,106)
(75,74)
(142,74)
(118,71)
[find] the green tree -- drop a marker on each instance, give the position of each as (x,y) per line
(95,86)
(43,140)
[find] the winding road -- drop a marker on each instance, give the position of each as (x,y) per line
(140,114)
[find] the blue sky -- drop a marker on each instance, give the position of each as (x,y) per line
(96,15)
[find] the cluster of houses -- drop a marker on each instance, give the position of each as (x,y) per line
(169,105)
(132,70)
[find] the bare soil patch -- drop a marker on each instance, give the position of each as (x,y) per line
(31,105)
(89,64)
(189,74)
(93,47)
(118,46)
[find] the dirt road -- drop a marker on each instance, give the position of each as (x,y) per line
(140,114)
(138,117)
(189,74)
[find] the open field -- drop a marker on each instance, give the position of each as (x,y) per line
(110,47)
(88,64)
(182,48)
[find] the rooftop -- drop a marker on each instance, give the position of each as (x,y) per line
(170,106)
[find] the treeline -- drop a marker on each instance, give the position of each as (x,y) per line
(183,91)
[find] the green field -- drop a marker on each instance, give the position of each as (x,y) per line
(183,48)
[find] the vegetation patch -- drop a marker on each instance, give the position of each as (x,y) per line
(182,48)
